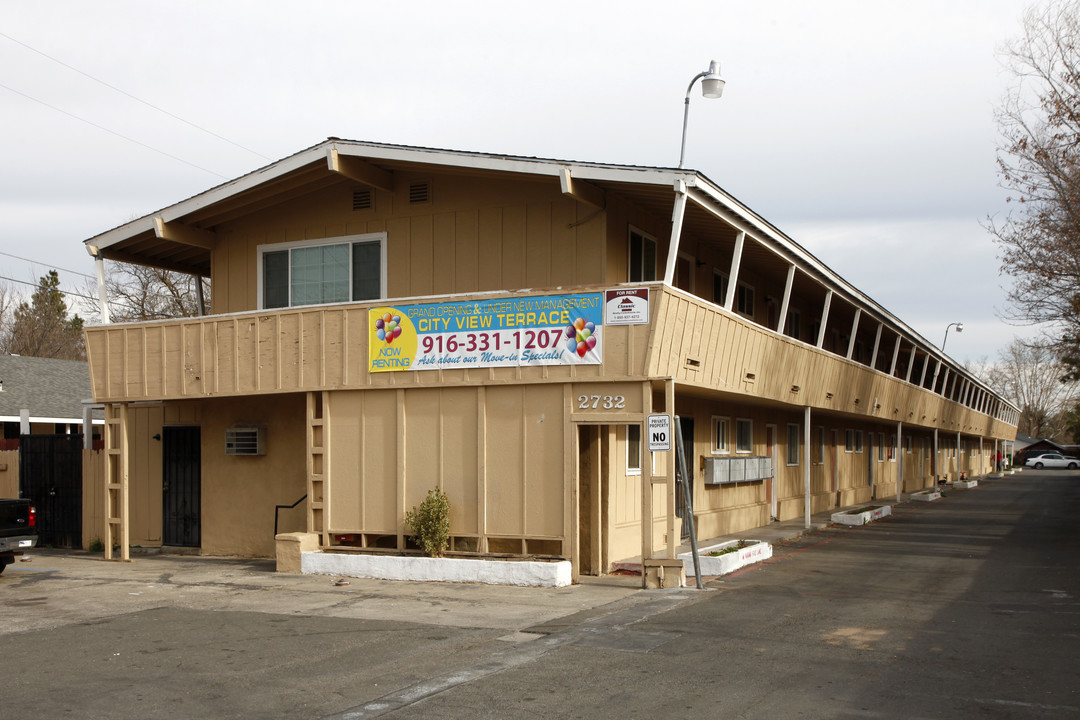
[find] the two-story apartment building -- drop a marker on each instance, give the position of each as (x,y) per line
(386,319)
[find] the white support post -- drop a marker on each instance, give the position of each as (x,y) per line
(899,459)
(806,461)
(877,344)
(782,322)
(945,384)
(103,295)
(733,276)
(910,365)
(824,319)
(676,231)
(935,466)
(895,357)
(24,422)
(922,375)
(854,331)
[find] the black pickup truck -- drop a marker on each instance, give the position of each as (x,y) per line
(18,529)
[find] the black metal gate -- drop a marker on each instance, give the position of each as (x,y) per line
(181,487)
(50,475)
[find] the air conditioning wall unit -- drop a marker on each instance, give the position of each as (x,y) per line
(249,440)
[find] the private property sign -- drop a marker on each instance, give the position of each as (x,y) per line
(659,429)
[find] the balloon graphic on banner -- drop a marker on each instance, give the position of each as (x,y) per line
(580,337)
(388,328)
(393,340)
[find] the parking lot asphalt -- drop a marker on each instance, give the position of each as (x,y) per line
(963,608)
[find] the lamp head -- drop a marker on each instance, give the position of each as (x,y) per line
(959,327)
(712,85)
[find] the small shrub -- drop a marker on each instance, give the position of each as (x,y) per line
(430,523)
(96,545)
(729,549)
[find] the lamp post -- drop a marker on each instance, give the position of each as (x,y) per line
(712,86)
(959,328)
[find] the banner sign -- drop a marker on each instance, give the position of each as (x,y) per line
(626,307)
(503,332)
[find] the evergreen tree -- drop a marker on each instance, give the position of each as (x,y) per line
(42,328)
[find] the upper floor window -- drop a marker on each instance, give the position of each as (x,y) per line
(719,288)
(793,328)
(313,272)
(642,257)
(744,303)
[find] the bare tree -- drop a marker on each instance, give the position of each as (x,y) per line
(138,293)
(1039,165)
(1030,377)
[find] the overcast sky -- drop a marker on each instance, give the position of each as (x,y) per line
(863,130)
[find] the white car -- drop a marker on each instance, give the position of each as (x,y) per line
(1052,460)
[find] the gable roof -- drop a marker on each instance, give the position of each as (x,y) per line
(181,236)
(52,390)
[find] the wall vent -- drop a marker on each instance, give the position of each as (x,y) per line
(363,199)
(245,441)
(419,192)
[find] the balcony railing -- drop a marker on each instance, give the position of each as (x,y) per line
(326,348)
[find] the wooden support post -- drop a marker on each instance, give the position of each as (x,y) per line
(733,276)
(781,322)
(824,319)
(806,462)
(670,487)
(646,490)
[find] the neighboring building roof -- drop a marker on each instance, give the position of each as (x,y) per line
(52,390)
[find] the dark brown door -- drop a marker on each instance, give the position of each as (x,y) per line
(181,488)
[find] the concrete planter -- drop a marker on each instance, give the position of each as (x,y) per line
(995,475)
(864,517)
(754,551)
(425,569)
(966,483)
(926,496)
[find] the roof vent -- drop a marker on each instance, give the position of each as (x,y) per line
(419,192)
(363,199)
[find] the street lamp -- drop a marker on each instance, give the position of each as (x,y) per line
(712,86)
(959,328)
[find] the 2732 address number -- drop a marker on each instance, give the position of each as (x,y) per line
(607,402)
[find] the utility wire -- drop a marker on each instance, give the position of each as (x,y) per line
(113,132)
(75,294)
(133,97)
(48,265)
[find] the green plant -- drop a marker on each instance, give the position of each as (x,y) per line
(96,545)
(730,549)
(430,523)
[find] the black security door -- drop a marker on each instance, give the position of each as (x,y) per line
(50,475)
(181,486)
